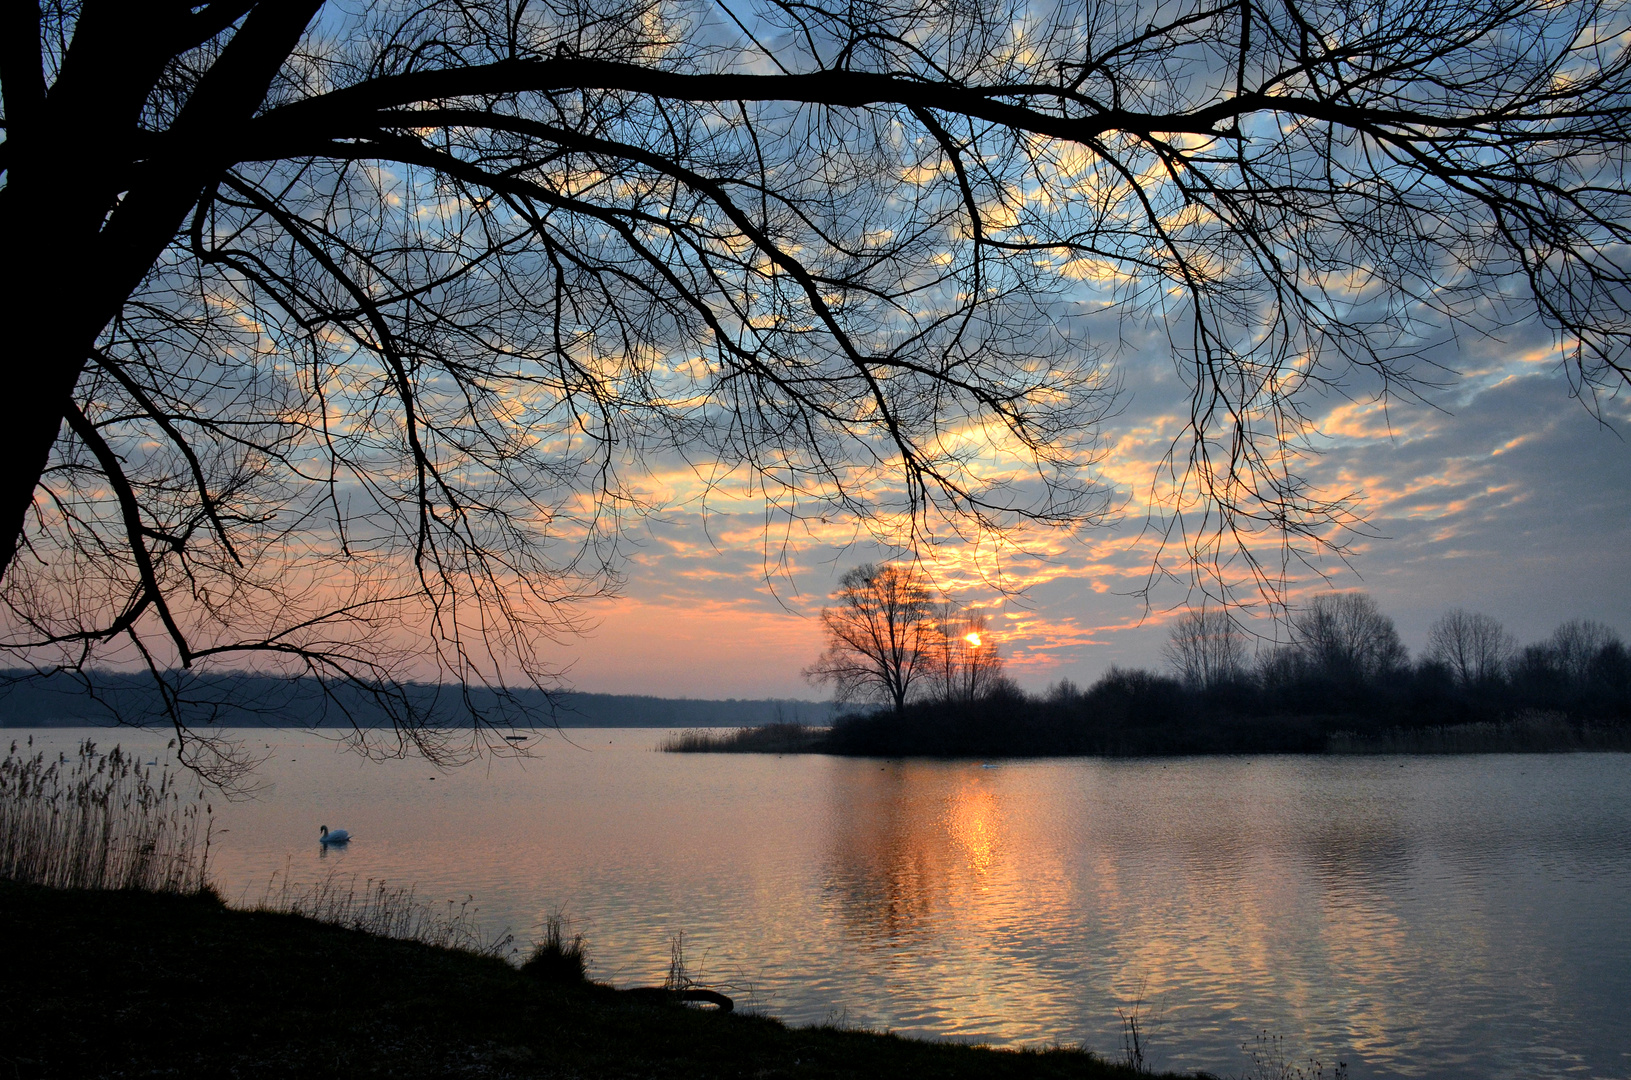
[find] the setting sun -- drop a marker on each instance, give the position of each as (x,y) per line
(973,638)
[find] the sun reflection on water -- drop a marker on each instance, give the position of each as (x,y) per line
(974,820)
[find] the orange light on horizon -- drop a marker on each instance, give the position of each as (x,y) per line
(973,638)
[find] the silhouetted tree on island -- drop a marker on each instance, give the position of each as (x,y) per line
(881,636)
(335,331)
(965,661)
(889,642)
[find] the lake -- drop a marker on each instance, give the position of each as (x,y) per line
(1444,917)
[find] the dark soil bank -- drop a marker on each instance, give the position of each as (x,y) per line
(137,984)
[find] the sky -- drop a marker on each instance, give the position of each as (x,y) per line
(1498,492)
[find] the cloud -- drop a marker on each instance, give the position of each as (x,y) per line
(1507,497)
(1519,505)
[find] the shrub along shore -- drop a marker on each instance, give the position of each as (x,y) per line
(975,733)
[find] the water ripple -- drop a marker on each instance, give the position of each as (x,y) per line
(1445,917)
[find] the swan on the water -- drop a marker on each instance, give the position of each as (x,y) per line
(338,836)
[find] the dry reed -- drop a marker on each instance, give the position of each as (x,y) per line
(1527,733)
(1269,1062)
(766,739)
(385,911)
(101,820)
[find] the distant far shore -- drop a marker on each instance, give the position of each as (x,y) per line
(251,701)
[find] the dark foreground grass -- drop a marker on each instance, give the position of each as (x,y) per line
(133,984)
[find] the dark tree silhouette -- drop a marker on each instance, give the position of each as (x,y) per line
(964,662)
(1474,647)
(1346,636)
(1577,644)
(882,638)
(329,319)
(1207,648)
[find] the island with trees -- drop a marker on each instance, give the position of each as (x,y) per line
(923,677)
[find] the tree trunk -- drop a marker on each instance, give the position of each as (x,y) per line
(76,249)
(51,326)
(67,285)
(69,156)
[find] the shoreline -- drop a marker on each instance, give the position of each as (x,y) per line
(138,983)
(874,736)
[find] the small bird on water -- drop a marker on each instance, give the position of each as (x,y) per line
(338,836)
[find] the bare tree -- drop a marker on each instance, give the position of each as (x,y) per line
(1564,664)
(941,664)
(1345,635)
(965,662)
(1206,648)
(1576,644)
(1474,647)
(881,636)
(336,329)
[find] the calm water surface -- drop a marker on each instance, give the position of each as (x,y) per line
(1444,917)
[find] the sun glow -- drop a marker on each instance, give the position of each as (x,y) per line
(973,638)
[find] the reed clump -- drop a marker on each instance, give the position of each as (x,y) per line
(557,958)
(101,820)
(387,911)
(766,739)
(679,971)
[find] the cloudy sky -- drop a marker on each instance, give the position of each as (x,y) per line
(1500,493)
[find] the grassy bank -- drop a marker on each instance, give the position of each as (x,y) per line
(141,984)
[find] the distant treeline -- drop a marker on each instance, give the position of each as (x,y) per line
(65,700)
(1345,683)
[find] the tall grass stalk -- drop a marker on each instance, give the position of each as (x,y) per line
(679,973)
(1133,1039)
(386,911)
(1269,1062)
(101,820)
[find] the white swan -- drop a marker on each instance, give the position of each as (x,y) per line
(338,836)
